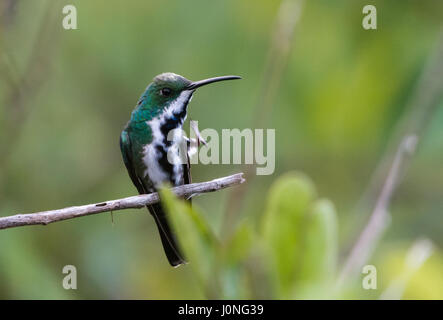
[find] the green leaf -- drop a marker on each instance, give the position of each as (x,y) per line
(400,268)
(239,244)
(319,260)
(233,262)
(289,202)
(197,240)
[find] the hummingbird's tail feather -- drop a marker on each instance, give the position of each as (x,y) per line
(169,241)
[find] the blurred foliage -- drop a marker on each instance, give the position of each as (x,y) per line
(66,95)
(297,231)
(427,283)
(295,252)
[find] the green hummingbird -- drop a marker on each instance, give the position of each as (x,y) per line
(146,149)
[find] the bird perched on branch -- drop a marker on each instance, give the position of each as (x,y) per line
(148,153)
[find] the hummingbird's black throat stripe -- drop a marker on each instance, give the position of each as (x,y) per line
(170,123)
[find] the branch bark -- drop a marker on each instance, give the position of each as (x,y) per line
(140,201)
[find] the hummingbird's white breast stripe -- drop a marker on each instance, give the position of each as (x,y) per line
(154,151)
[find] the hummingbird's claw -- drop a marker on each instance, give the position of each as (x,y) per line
(194,143)
(194,126)
(192,196)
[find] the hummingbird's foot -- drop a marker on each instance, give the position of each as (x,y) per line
(194,143)
(194,126)
(192,195)
(192,146)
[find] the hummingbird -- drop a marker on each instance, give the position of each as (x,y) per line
(145,146)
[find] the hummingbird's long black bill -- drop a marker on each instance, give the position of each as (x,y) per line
(197,84)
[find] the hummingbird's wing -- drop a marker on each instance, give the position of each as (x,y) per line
(125,147)
(167,236)
(187,179)
(169,241)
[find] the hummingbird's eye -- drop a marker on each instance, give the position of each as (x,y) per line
(165,92)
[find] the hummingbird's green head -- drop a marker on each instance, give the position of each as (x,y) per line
(170,88)
(165,88)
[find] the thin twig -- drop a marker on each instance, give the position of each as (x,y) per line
(416,118)
(24,85)
(379,218)
(46,217)
(419,111)
(420,251)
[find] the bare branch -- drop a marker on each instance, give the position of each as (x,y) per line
(419,111)
(415,119)
(420,251)
(379,218)
(140,201)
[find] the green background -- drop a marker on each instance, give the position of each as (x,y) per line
(334,92)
